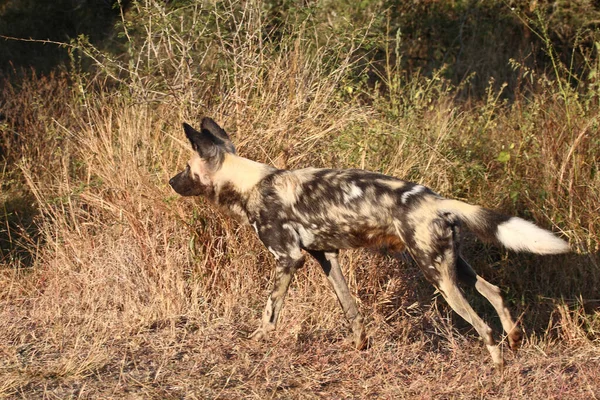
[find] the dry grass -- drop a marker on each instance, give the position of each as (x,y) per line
(121,289)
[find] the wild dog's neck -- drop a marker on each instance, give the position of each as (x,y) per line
(235,180)
(241,173)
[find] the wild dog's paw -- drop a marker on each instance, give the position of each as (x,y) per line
(359,338)
(514,338)
(260,334)
(499,367)
(497,358)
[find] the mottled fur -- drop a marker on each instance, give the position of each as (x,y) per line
(320,211)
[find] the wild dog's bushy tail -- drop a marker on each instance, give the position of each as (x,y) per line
(513,232)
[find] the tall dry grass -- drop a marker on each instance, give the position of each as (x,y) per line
(132,291)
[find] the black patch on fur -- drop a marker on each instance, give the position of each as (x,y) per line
(229,197)
(215,130)
(492,219)
(187,185)
(209,147)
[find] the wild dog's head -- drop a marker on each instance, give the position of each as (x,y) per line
(210,145)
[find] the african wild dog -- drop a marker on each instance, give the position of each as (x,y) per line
(323,210)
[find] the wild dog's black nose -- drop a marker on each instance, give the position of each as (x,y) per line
(171,181)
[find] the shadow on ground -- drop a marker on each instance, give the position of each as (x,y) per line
(19,234)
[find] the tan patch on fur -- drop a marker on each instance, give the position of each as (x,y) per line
(467,211)
(386,200)
(199,169)
(242,173)
(392,184)
(374,212)
(288,185)
(421,219)
(288,188)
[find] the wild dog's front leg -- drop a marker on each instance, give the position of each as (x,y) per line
(331,267)
(283,277)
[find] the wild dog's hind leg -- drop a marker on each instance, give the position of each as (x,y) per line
(285,246)
(437,257)
(492,293)
(331,267)
(458,302)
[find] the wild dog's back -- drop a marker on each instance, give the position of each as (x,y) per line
(333,209)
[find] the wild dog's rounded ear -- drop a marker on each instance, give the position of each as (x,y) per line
(209,125)
(197,139)
(208,146)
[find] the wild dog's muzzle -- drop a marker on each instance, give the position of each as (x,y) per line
(184,185)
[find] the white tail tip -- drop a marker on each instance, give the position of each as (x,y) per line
(520,235)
